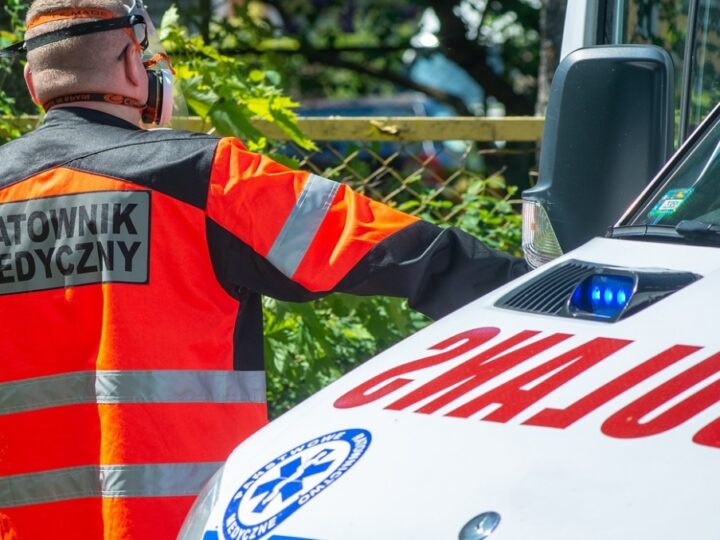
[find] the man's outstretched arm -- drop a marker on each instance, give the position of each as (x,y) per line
(297,236)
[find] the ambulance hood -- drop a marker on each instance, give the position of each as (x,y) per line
(503,424)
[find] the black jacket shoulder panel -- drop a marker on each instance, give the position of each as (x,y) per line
(177,163)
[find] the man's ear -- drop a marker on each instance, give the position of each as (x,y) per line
(134,69)
(30,86)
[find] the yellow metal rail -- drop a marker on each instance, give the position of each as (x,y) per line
(403,128)
(515,129)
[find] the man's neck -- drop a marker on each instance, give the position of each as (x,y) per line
(129,114)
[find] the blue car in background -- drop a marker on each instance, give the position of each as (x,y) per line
(436,158)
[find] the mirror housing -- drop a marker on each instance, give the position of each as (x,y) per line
(608,130)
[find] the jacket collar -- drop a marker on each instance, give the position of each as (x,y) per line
(81,115)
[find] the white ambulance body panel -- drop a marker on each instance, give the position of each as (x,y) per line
(582,437)
(581,19)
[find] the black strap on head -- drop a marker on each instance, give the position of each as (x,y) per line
(113,99)
(74,31)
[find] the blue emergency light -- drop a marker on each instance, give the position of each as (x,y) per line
(602,296)
(584,290)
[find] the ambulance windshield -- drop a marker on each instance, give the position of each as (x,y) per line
(691,191)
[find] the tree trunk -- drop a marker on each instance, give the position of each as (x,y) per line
(205,18)
(552,18)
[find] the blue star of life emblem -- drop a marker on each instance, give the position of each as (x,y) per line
(280,488)
(291,478)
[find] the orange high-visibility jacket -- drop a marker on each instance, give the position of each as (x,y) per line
(131,268)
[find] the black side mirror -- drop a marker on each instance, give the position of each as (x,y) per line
(608,130)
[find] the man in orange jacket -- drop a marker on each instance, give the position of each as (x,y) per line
(132,263)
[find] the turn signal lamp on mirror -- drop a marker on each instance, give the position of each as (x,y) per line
(539,243)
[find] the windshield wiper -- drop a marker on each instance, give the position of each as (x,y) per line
(662,232)
(699,232)
(687,231)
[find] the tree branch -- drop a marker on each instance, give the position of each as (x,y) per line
(469,55)
(369,50)
(472,57)
(330,59)
(289,27)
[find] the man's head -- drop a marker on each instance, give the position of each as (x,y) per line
(101,62)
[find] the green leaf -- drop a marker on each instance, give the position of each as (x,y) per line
(286,120)
(273,77)
(170,20)
(257,76)
(398,315)
(199,100)
(230,120)
(409,205)
(495,182)
(279,362)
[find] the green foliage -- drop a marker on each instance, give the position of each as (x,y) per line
(307,346)
(343,49)
(304,26)
(226,92)
(11,25)
(486,210)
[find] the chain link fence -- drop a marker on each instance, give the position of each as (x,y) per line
(423,166)
(419,178)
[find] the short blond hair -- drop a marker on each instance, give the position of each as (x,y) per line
(78,64)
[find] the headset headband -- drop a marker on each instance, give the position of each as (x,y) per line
(109,20)
(71,13)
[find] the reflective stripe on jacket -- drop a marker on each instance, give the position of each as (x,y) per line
(131,268)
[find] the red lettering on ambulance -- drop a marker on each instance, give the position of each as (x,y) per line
(562,418)
(709,435)
(369,391)
(476,371)
(627,423)
(519,393)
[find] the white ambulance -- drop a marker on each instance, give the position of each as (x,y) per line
(581,401)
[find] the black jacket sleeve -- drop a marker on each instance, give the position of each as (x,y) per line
(438,270)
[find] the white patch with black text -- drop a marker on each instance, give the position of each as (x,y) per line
(78,239)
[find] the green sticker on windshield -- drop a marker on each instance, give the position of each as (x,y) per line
(670,203)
